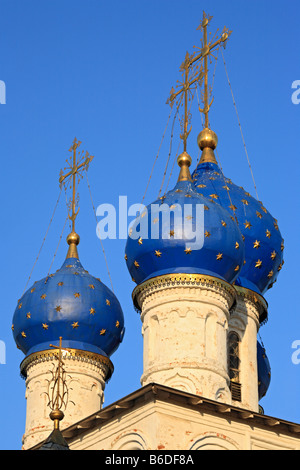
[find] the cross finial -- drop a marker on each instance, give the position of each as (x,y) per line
(76,164)
(59,391)
(207,47)
(195,70)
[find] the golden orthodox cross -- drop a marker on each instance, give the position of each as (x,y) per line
(196,75)
(75,167)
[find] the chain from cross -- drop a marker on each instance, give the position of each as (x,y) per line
(194,72)
(75,167)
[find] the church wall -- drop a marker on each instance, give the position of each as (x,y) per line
(161,425)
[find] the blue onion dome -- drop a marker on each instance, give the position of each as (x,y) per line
(263,241)
(70,304)
(263,371)
(171,235)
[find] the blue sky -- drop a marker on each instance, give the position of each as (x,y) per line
(102,71)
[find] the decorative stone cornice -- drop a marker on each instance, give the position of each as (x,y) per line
(258,301)
(169,281)
(90,358)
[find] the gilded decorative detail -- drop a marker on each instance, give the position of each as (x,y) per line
(75,325)
(177,280)
(157,253)
(258,263)
(268,233)
(256,244)
(80,355)
(76,165)
(45,326)
(107,302)
(219,256)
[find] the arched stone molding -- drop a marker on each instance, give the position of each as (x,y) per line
(213,441)
(134,439)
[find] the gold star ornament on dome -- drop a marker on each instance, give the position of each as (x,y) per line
(268,233)
(247,224)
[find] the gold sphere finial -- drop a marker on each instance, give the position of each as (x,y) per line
(184,159)
(56,415)
(73,238)
(207,138)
